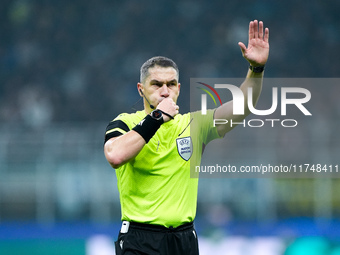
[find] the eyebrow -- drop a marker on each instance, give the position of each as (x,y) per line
(156,81)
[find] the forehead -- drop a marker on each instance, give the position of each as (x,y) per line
(162,73)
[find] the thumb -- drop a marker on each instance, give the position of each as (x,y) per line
(243,47)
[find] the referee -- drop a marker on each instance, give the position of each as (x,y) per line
(152,150)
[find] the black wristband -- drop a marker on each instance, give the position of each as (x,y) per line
(148,127)
(257,69)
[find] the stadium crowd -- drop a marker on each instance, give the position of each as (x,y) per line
(65,61)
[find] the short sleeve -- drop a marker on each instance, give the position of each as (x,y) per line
(116,128)
(204,126)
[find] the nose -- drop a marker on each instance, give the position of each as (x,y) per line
(164,91)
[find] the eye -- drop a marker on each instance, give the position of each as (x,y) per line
(156,84)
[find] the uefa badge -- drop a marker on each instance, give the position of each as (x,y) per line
(184,147)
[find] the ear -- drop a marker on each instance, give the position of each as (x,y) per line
(139,88)
(179,87)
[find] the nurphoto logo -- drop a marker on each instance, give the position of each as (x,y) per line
(296,96)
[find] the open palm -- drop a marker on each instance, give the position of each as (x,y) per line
(257,51)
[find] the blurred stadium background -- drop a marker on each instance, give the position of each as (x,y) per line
(69,67)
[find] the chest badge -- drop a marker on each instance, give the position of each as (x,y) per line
(184,147)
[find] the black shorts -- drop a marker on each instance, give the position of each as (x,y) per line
(147,239)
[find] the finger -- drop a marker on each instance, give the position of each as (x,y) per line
(251,30)
(243,47)
(266,35)
(256,29)
(261,30)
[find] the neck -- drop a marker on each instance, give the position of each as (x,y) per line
(147,108)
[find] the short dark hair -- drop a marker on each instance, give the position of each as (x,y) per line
(156,61)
